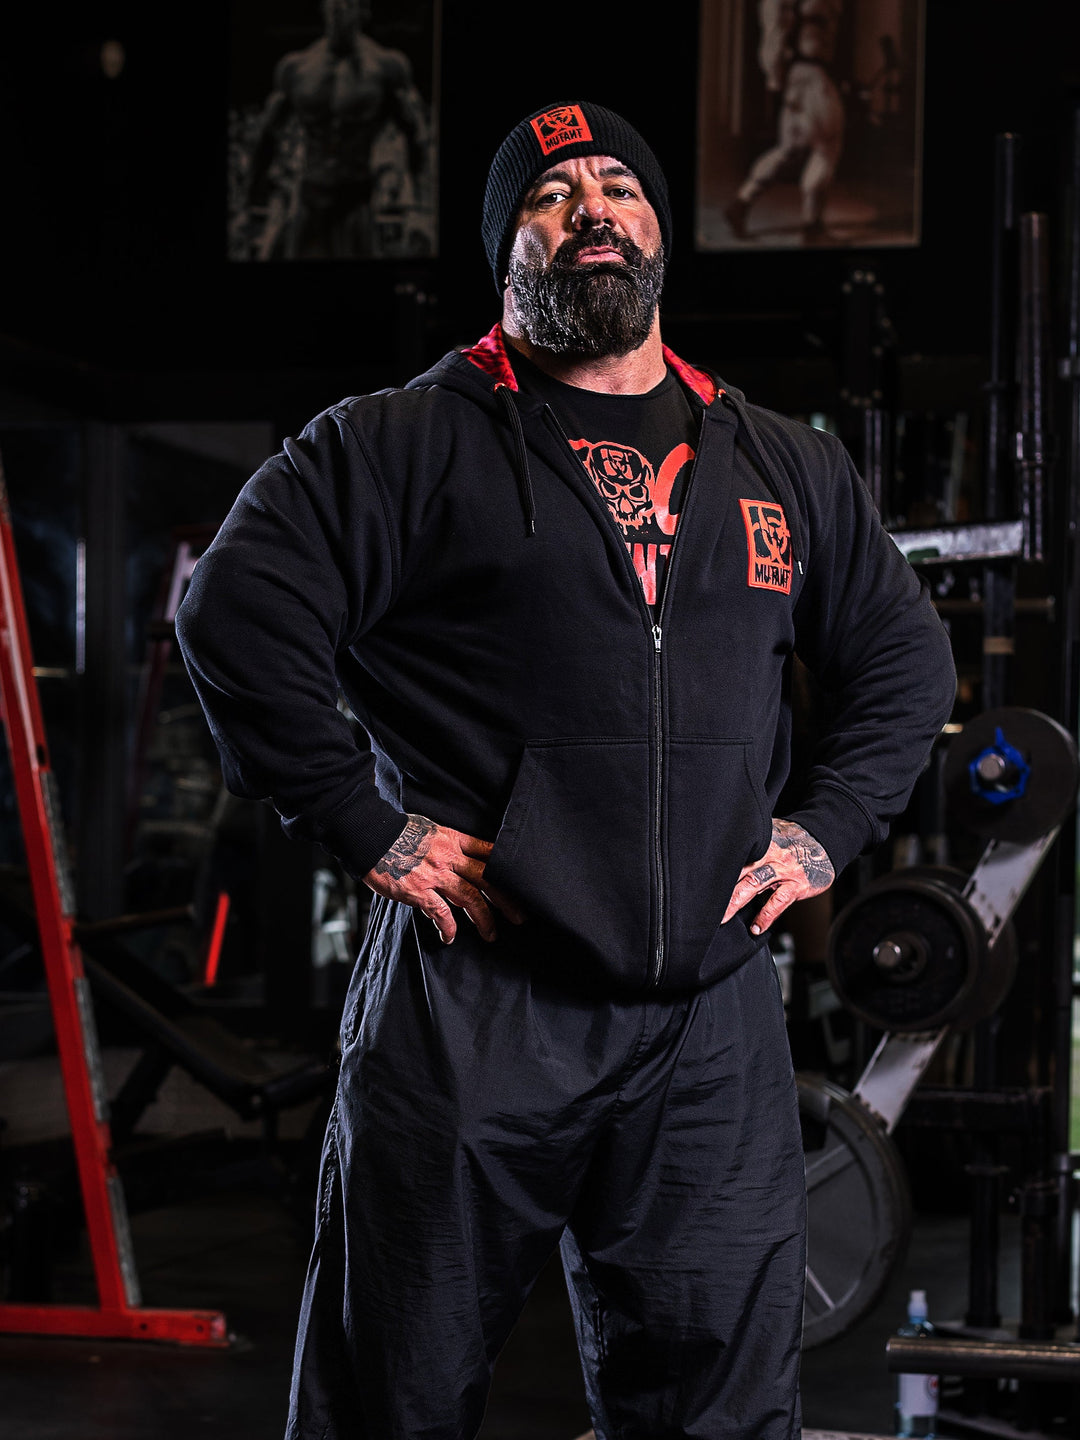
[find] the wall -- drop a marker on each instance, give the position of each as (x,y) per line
(118,300)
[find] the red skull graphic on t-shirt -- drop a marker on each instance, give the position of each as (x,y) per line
(625,479)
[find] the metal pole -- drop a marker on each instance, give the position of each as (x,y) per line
(998,581)
(1040,1198)
(986,1172)
(996,1359)
(866,382)
(1033,429)
(1067,585)
(875,452)
(103,783)
(999,598)
(1007,152)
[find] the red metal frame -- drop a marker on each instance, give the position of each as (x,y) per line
(217,938)
(118,1313)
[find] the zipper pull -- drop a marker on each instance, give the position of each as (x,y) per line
(657,636)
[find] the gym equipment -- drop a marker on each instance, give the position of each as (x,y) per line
(993,1359)
(942,544)
(917,950)
(911,954)
(1007,796)
(119,1312)
(189,542)
(859,1209)
(172,1028)
(1011,775)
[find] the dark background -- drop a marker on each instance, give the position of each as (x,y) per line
(261,31)
(118,301)
(125,335)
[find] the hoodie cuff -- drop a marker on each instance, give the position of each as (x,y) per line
(837,822)
(361,832)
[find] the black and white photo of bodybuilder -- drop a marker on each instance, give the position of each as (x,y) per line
(809,123)
(332,147)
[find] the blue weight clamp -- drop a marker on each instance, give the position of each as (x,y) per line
(1011,757)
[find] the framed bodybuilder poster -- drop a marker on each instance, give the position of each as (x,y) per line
(809,123)
(332,150)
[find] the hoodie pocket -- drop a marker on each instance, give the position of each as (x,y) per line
(574,846)
(716,821)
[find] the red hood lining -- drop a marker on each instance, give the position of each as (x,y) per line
(489,355)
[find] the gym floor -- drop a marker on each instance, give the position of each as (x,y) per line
(240,1251)
(239,1248)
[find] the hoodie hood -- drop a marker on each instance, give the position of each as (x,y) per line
(484,372)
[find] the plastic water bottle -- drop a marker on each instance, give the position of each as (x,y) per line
(917,1395)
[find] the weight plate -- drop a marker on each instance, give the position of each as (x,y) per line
(858,1209)
(1019,750)
(998,969)
(906,954)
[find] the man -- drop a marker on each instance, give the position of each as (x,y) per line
(560,579)
(343,90)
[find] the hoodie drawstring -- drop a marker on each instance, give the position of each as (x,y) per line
(781,486)
(524,478)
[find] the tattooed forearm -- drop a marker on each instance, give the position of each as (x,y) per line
(807,853)
(408,849)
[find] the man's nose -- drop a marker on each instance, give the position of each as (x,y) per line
(592,209)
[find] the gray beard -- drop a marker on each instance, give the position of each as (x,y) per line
(592,311)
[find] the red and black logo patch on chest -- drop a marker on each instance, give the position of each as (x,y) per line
(768,546)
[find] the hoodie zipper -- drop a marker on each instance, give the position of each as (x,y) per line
(658,783)
(659,735)
(656,631)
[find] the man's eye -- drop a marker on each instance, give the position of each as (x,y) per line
(550,197)
(620,192)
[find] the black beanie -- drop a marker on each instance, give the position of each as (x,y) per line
(562,132)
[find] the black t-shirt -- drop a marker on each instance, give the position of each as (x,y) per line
(637,449)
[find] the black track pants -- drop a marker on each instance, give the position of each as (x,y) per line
(483,1115)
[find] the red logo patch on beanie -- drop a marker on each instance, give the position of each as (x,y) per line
(565,125)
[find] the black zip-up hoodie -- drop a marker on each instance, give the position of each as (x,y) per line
(440,553)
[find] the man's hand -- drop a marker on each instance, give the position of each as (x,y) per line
(794,867)
(432,867)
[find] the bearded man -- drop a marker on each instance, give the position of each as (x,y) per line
(560,579)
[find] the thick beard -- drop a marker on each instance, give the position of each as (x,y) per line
(592,310)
